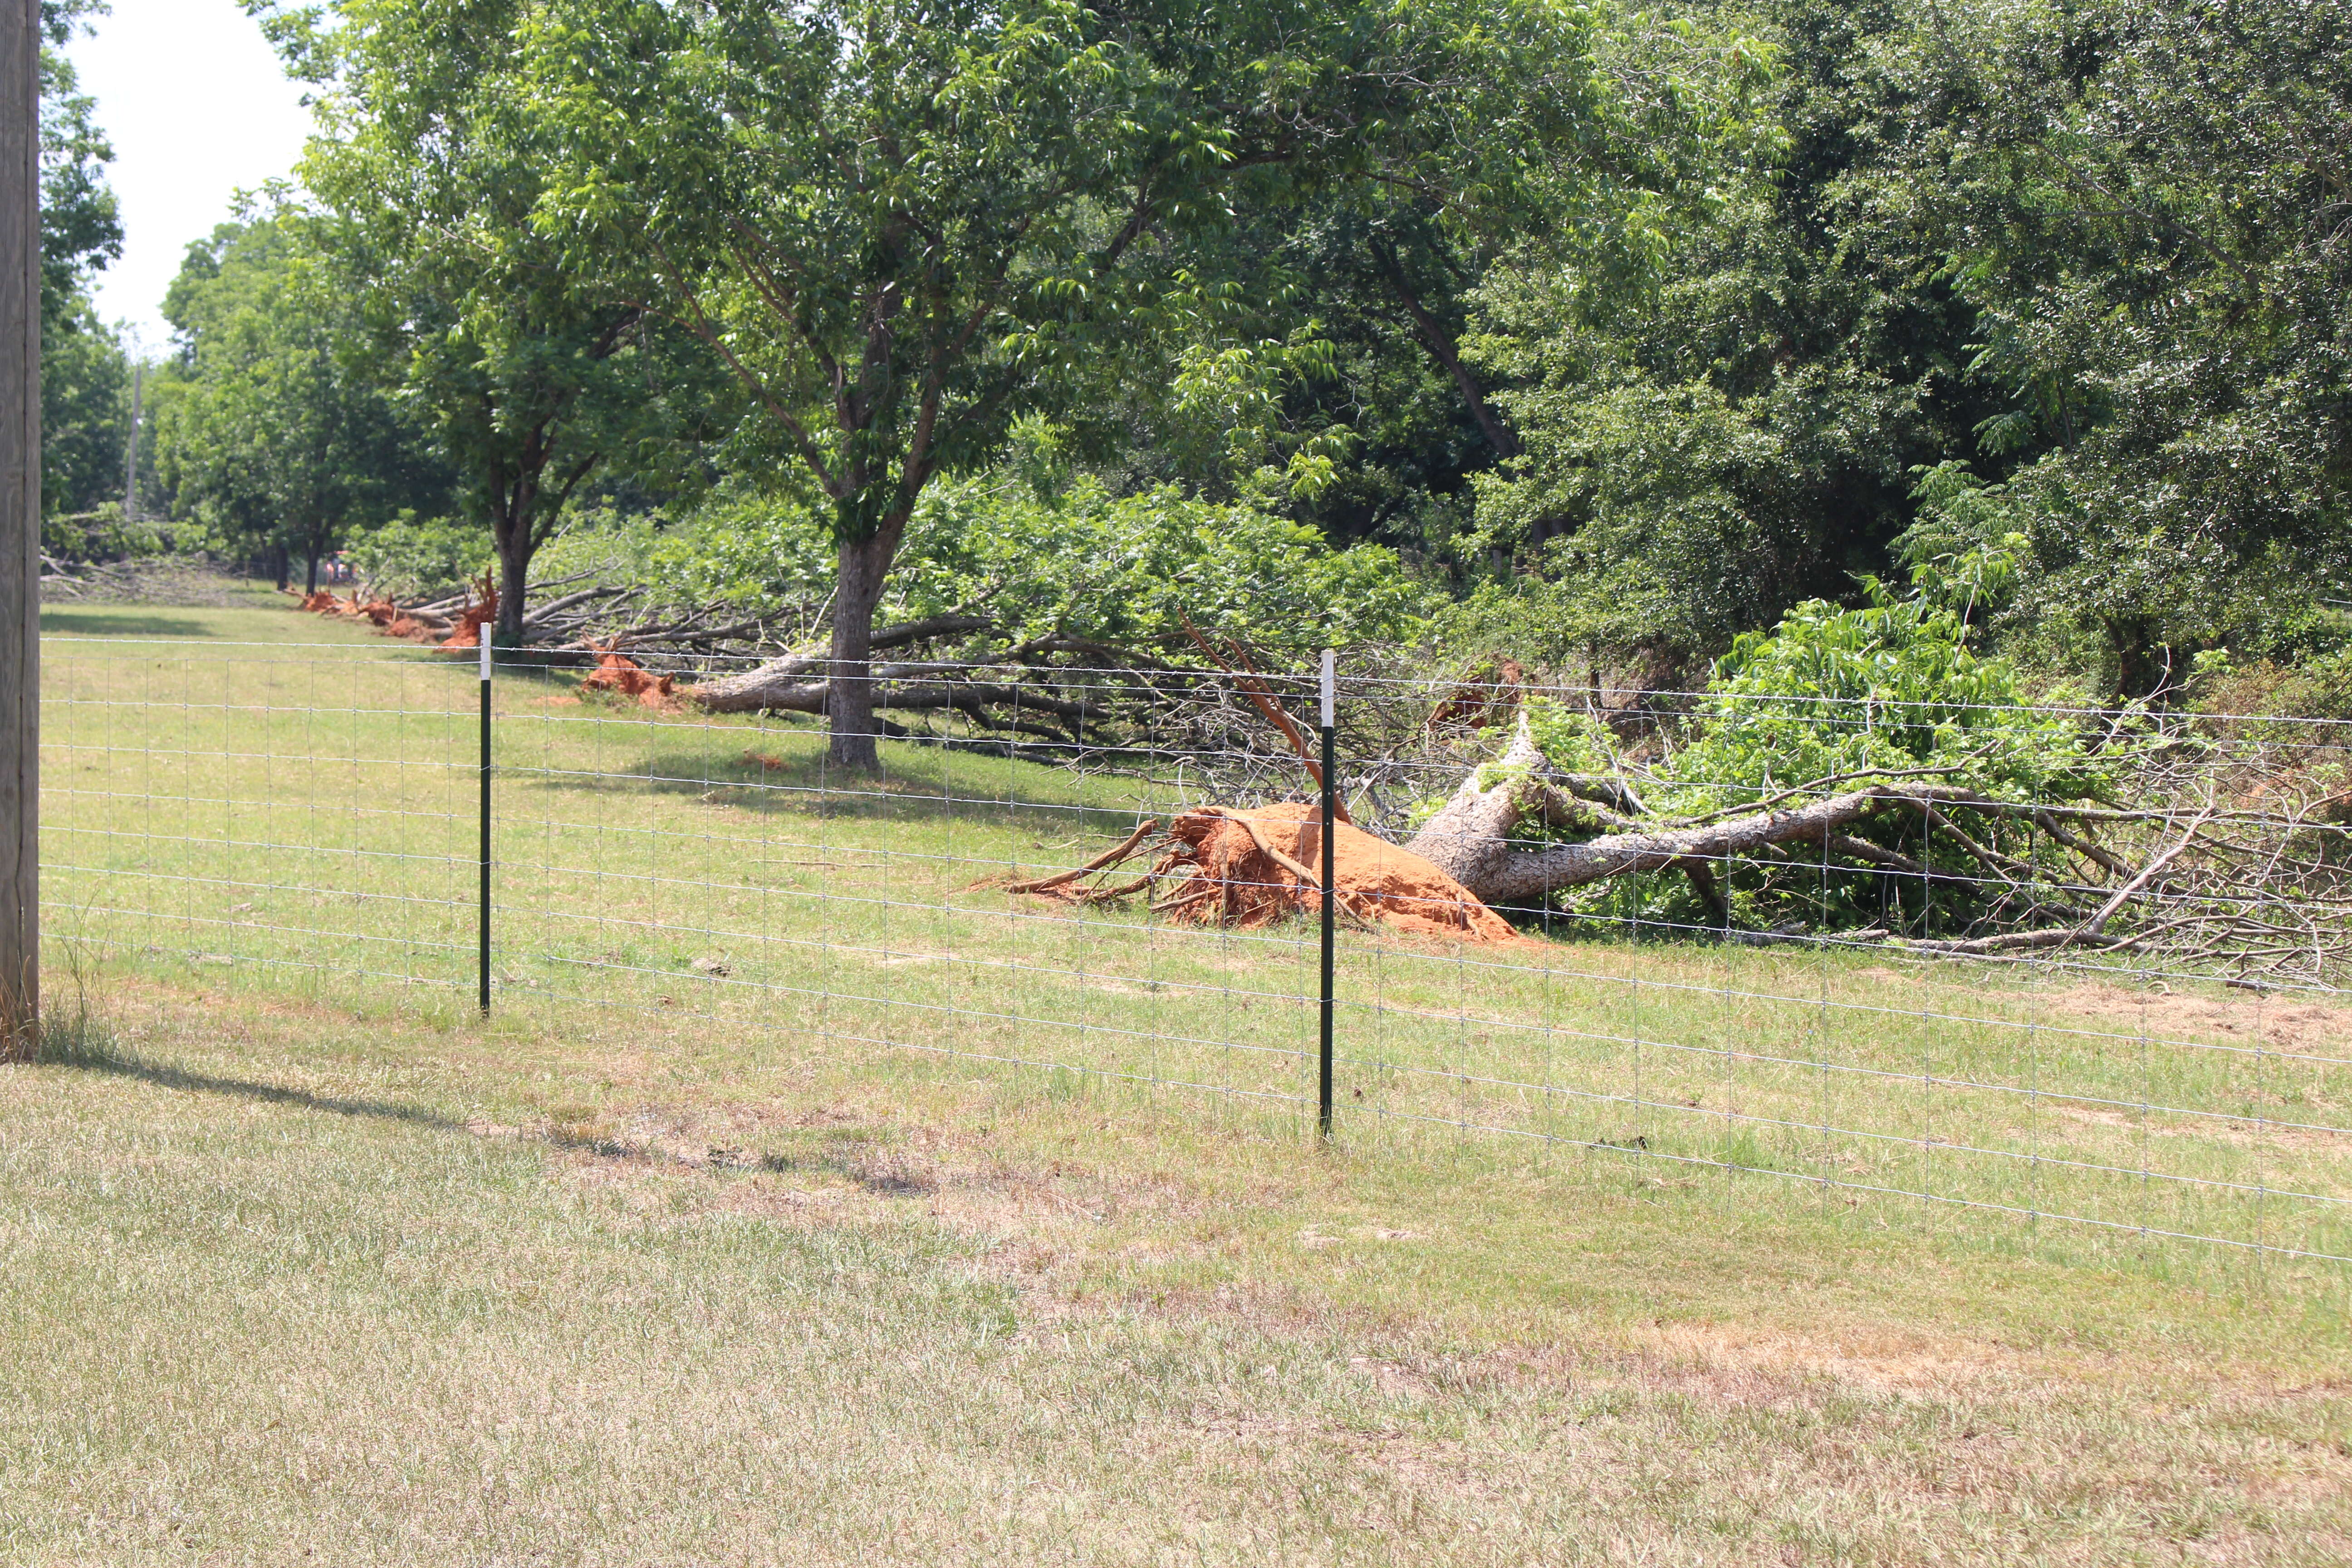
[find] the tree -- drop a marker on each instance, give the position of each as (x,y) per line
(85,401)
(1722,419)
(906,223)
(2145,206)
(85,376)
(280,431)
(539,376)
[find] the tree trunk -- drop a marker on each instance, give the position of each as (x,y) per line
(514,587)
(312,579)
(1442,349)
(864,569)
(279,556)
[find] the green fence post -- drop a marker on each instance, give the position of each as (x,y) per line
(486,823)
(1330,887)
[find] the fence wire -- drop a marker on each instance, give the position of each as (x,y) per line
(2094,997)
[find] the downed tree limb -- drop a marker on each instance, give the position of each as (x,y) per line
(1103,861)
(2016,941)
(2107,912)
(1475,837)
(1251,686)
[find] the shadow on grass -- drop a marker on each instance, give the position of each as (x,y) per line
(805,785)
(91,1051)
(86,1044)
(121,623)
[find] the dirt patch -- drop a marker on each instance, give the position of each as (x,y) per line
(2311,1027)
(1242,868)
(2246,1134)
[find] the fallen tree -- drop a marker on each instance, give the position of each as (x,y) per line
(2256,886)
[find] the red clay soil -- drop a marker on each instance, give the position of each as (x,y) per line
(468,632)
(1226,876)
(380,612)
(617,672)
(391,620)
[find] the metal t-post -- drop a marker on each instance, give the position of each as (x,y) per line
(1330,887)
(486,821)
(20,530)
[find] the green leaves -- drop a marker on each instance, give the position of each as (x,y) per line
(1889,688)
(280,430)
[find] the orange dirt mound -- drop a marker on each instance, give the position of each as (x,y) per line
(321,603)
(468,632)
(1227,875)
(617,672)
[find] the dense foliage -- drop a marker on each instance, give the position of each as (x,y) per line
(278,435)
(85,375)
(1607,337)
(1833,699)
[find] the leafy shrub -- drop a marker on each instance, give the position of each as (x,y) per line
(1890,688)
(1848,695)
(414,558)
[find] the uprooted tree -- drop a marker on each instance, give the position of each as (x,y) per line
(1858,776)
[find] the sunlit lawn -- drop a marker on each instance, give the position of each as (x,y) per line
(804,1199)
(303,819)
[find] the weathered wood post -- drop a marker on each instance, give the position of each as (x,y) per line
(20,527)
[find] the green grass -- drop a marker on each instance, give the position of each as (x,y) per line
(303,818)
(902,1240)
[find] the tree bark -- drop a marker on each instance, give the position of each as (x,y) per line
(281,560)
(20,530)
(311,575)
(795,683)
(1442,349)
(511,531)
(865,571)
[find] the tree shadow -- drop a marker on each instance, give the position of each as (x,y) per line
(105,1057)
(851,1158)
(121,623)
(767,785)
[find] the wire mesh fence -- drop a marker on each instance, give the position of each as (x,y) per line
(2071,990)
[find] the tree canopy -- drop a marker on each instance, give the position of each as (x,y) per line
(1626,331)
(280,435)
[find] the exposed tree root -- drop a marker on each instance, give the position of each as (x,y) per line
(1245,869)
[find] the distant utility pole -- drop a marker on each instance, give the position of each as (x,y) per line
(131,468)
(20,527)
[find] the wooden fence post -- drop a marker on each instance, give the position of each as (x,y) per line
(20,527)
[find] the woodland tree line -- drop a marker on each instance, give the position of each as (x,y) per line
(1586,336)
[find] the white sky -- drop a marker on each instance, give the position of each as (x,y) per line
(197,107)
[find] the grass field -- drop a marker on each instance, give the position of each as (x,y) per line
(803,1202)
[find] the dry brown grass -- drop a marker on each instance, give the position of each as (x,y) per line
(288,1287)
